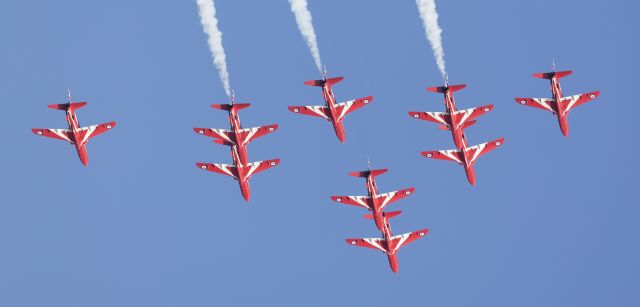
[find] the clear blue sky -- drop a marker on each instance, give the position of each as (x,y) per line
(552,221)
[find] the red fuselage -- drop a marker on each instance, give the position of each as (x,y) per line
(330,100)
(457,132)
(239,155)
(390,245)
(77,136)
(559,108)
(375,202)
(236,126)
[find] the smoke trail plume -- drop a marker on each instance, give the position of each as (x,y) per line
(207,12)
(303,19)
(427,9)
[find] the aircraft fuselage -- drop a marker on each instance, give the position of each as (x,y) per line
(390,246)
(330,100)
(375,202)
(559,108)
(77,137)
(457,132)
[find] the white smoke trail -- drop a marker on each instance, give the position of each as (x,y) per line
(427,9)
(207,12)
(303,19)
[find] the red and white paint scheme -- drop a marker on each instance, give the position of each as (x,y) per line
(374,202)
(559,105)
(453,119)
(331,111)
(237,138)
(389,244)
(75,135)
(467,156)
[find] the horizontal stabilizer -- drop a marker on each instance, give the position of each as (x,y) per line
(365,174)
(468,124)
(330,81)
(67,106)
(386,215)
(228,107)
(223,142)
(444,89)
(549,75)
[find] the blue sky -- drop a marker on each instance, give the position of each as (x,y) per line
(551,222)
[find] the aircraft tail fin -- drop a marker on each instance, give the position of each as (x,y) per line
(67,106)
(549,75)
(330,81)
(373,172)
(228,107)
(443,89)
(386,215)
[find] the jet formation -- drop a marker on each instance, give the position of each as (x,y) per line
(331,111)
(559,105)
(374,202)
(237,138)
(456,121)
(75,135)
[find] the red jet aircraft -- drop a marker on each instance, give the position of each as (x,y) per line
(389,244)
(76,135)
(333,112)
(453,120)
(237,138)
(467,156)
(559,105)
(374,202)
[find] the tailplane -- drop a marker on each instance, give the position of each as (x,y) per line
(228,107)
(549,75)
(365,174)
(387,215)
(330,81)
(67,106)
(444,89)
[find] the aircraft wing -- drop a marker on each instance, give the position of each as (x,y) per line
(60,134)
(436,117)
(576,100)
(394,196)
(469,114)
(481,149)
(540,103)
(319,111)
(448,155)
(347,107)
(256,167)
(95,130)
(375,243)
(249,134)
(360,201)
(404,239)
(224,169)
(222,134)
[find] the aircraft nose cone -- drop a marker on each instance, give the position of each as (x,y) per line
(82,154)
(471,176)
(246,192)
